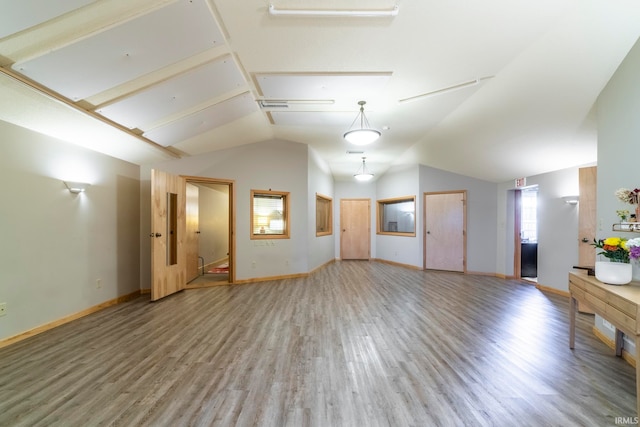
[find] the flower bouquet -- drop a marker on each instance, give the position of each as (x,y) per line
(614,248)
(619,270)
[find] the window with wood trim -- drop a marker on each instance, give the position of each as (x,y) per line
(324,215)
(269,214)
(397,216)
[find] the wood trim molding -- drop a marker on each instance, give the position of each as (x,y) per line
(75,106)
(266,279)
(47,326)
(399,264)
(553,290)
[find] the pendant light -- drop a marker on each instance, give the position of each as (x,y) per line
(362,174)
(364,134)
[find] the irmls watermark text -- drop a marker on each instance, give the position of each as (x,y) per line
(626,420)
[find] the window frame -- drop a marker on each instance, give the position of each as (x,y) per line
(329,216)
(285,214)
(380,211)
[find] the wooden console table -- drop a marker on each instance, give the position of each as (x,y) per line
(619,305)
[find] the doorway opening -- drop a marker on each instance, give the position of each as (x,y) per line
(528,233)
(209,232)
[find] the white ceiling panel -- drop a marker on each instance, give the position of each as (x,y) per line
(204,120)
(313,118)
(345,88)
(179,93)
(133,61)
(125,52)
(20,15)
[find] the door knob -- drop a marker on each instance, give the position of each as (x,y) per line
(585,240)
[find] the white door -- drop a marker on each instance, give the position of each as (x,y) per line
(445,231)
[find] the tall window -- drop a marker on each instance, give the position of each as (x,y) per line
(529,215)
(269,214)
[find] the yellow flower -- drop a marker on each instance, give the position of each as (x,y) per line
(612,241)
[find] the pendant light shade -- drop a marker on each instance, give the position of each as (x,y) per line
(363,174)
(364,134)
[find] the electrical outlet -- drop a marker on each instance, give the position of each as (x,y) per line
(3,308)
(253,264)
(98,283)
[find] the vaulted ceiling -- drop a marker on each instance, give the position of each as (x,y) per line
(495,89)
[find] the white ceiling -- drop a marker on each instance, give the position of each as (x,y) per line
(145,80)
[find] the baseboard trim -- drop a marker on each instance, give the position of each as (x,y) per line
(611,344)
(398,264)
(481,273)
(552,290)
(269,278)
(48,326)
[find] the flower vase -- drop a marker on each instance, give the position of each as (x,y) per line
(614,273)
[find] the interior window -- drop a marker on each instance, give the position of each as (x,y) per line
(269,214)
(324,217)
(397,216)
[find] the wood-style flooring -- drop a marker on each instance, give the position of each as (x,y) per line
(356,343)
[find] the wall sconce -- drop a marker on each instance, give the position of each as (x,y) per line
(76,187)
(571,200)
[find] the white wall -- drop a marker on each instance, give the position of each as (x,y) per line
(481,214)
(400,182)
(618,141)
(56,245)
(275,165)
(321,248)
(416,180)
(354,190)
(557,227)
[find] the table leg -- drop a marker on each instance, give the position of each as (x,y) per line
(618,342)
(573,306)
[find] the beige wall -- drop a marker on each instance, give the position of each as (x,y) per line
(56,245)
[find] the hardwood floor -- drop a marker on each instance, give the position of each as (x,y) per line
(355,344)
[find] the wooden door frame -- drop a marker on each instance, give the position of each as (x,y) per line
(232,216)
(464,226)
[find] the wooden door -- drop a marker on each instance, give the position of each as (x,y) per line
(445,231)
(168,224)
(587,215)
(355,226)
(193,233)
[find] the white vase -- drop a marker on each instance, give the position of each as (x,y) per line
(614,273)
